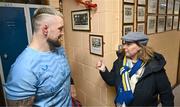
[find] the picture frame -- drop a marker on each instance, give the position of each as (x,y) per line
(169,23)
(162,6)
(128,13)
(96,45)
(170,6)
(161,23)
(175,22)
(176,7)
(179,25)
(60,6)
(128,28)
(141,11)
(129,1)
(151,24)
(141,2)
(81,20)
(152,6)
(140,27)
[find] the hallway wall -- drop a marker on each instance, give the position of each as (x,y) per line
(91,89)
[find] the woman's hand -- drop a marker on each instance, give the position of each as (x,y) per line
(100,66)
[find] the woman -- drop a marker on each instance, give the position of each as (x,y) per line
(138,74)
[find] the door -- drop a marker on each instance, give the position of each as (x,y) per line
(13,36)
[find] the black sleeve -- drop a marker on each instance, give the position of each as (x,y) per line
(164,89)
(109,77)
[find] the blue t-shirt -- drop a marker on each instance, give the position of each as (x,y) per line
(45,75)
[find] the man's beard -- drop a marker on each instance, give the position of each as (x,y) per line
(53,44)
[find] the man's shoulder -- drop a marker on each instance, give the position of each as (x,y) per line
(27,57)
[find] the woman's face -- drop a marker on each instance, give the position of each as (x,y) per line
(131,49)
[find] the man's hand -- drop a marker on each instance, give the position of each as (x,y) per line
(73,91)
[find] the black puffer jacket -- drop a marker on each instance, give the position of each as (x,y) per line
(153,82)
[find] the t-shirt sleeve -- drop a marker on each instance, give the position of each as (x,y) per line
(21,83)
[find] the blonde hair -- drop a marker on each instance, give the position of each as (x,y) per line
(42,13)
(145,53)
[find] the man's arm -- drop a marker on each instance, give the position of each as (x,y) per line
(20,103)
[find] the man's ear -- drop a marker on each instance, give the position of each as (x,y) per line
(45,29)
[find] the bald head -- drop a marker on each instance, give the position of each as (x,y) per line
(43,15)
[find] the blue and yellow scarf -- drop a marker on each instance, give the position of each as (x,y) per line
(124,92)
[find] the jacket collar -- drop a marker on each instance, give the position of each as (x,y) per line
(155,64)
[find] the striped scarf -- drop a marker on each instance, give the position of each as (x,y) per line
(124,92)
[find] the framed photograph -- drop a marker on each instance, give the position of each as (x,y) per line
(175,22)
(96,44)
(128,13)
(162,6)
(176,8)
(129,1)
(170,7)
(141,2)
(161,24)
(152,6)
(127,28)
(151,24)
(81,20)
(141,13)
(169,23)
(140,27)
